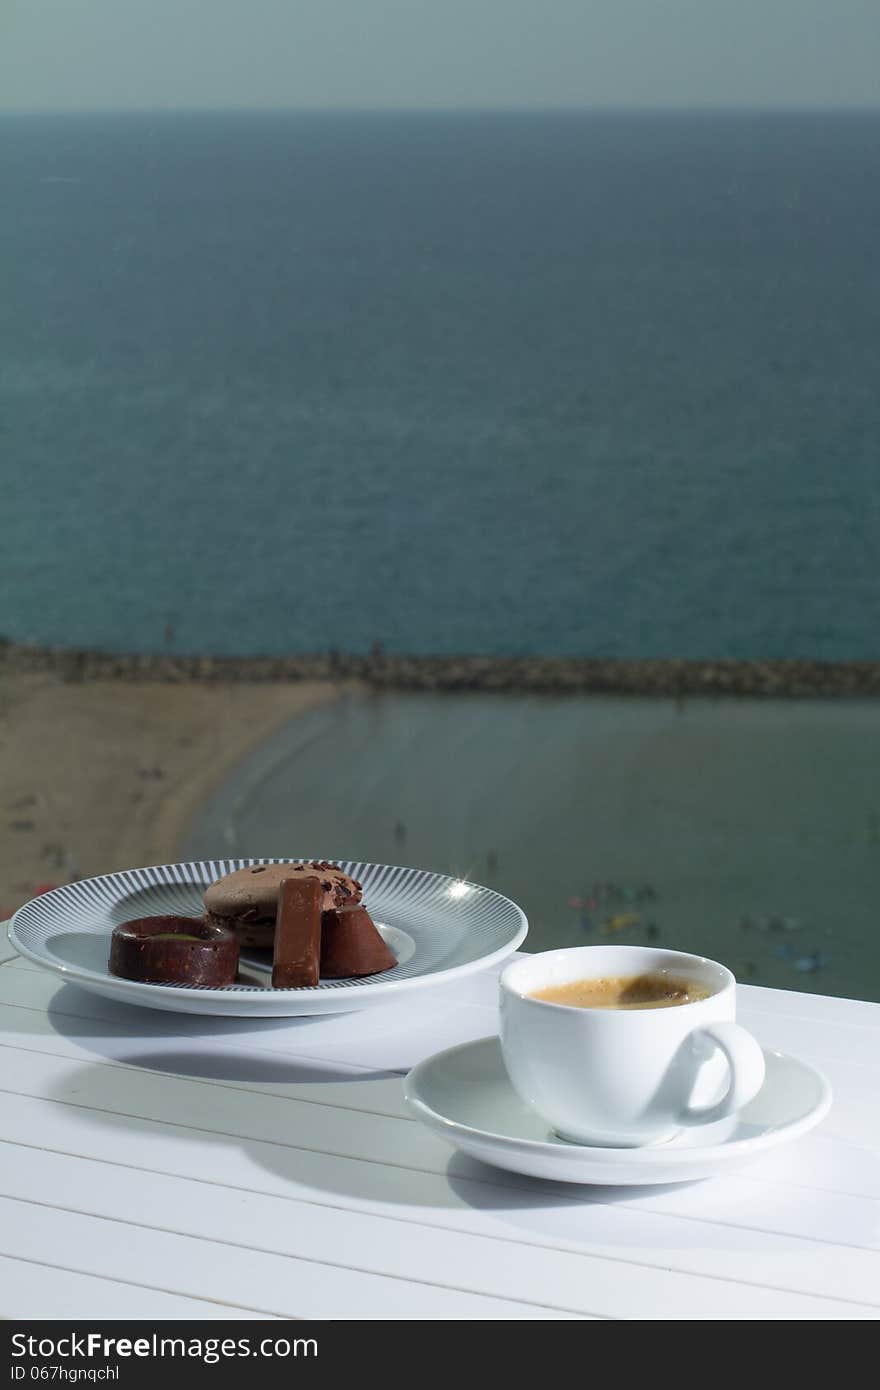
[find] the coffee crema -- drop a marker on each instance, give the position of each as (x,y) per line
(653,990)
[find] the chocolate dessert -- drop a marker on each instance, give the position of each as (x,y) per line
(297,933)
(174,951)
(351,945)
(246,901)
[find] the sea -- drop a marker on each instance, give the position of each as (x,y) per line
(588,384)
(743,830)
(571,383)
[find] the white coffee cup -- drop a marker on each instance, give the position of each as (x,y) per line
(626,1077)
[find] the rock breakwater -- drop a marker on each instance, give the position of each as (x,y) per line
(382,670)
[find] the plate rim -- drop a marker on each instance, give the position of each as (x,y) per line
(368,992)
(570,1154)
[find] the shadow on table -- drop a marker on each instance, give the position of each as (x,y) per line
(69,1001)
(245,1141)
(236,1067)
(550,1210)
(492,1189)
(617,1222)
(362,1148)
(107,1037)
(251,1141)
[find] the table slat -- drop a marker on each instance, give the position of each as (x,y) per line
(251,1279)
(29,1291)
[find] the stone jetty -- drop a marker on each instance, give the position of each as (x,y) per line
(544,675)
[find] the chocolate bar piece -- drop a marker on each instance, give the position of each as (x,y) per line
(351,945)
(296,960)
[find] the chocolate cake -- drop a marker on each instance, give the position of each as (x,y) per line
(351,944)
(174,951)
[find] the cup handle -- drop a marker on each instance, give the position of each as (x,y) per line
(746,1062)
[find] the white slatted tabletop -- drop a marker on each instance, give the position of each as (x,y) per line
(162,1166)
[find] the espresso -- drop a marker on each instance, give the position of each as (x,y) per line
(654,990)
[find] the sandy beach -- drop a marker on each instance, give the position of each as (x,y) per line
(103,775)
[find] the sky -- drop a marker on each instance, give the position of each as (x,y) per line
(98,54)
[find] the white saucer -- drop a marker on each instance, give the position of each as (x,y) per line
(464,1095)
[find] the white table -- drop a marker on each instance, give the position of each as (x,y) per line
(158,1166)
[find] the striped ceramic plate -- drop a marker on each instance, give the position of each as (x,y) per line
(439,928)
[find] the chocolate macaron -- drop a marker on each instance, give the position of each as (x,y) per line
(246,901)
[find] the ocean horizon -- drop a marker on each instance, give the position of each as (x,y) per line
(574,383)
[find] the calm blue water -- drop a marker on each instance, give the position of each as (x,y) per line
(569,383)
(746,830)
